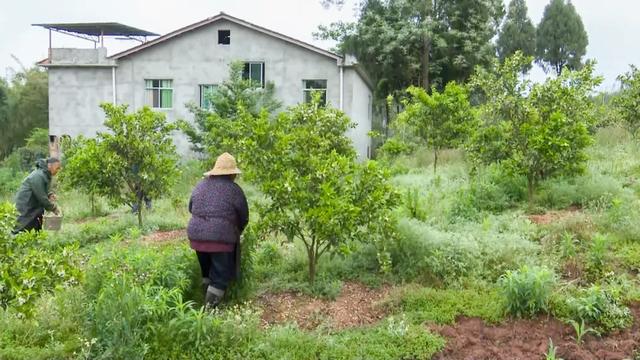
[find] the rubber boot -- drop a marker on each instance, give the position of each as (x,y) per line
(213,297)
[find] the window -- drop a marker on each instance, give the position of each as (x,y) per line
(160,93)
(206,91)
(224,37)
(254,71)
(312,86)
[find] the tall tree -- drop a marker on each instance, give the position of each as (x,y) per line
(419,42)
(26,106)
(517,33)
(561,40)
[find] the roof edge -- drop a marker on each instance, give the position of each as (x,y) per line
(223,16)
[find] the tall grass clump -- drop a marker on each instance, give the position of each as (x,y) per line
(527,290)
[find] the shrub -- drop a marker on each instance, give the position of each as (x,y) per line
(526,291)
(598,307)
(490,190)
(30,265)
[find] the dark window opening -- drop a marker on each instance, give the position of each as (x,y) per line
(254,71)
(224,37)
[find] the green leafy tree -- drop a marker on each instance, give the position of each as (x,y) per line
(534,130)
(224,101)
(140,156)
(85,168)
(517,33)
(442,119)
(25,107)
(627,101)
(418,42)
(561,40)
(318,193)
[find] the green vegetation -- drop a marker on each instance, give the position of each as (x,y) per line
(532,213)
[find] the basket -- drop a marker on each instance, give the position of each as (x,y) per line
(52,222)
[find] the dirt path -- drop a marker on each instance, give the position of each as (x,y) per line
(357,305)
(529,339)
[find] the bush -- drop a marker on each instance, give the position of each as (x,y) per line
(56,330)
(491,190)
(30,265)
(593,191)
(598,307)
(470,251)
(527,290)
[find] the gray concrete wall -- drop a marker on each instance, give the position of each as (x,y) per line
(358,105)
(70,56)
(196,58)
(75,95)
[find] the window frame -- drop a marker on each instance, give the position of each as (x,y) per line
(159,89)
(262,70)
(201,87)
(309,90)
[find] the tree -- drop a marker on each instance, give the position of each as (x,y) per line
(441,119)
(534,130)
(26,107)
(224,101)
(418,42)
(627,101)
(561,40)
(139,154)
(85,168)
(317,192)
(517,33)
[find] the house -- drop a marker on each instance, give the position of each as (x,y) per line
(182,66)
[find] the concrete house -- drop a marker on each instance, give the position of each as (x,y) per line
(182,66)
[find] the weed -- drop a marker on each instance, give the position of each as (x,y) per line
(527,290)
(581,330)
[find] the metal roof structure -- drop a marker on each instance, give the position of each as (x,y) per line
(95,32)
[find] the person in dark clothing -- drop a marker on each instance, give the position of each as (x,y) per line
(33,197)
(219,214)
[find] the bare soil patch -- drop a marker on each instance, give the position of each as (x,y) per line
(554,216)
(160,237)
(357,305)
(471,338)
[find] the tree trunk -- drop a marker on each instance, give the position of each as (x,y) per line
(140,213)
(93,204)
(424,66)
(530,187)
(435,160)
(312,267)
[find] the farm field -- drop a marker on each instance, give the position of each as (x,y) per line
(467,249)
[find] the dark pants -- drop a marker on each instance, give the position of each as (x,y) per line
(35,224)
(219,267)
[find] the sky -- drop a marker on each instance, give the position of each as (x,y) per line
(612,25)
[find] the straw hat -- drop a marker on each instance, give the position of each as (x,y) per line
(225,165)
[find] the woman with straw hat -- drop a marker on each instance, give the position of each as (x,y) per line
(219,214)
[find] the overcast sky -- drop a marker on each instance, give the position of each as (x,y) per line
(612,25)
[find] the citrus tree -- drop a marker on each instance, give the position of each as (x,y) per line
(440,119)
(628,101)
(85,168)
(317,192)
(534,130)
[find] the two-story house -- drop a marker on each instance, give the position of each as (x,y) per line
(183,66)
